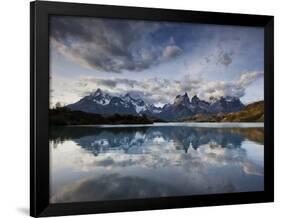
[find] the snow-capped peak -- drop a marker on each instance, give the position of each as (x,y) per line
(231,98)
(152,108)
(100,97)
(127,98)
(97,93)
(139,104)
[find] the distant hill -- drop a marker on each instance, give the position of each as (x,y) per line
(253,112)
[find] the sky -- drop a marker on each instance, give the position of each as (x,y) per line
(155,61)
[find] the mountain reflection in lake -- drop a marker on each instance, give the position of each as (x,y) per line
(96,163)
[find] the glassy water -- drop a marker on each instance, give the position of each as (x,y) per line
(143,161)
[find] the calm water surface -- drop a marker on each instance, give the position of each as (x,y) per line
(95,163)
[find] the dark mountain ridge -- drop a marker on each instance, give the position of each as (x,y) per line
(100,102)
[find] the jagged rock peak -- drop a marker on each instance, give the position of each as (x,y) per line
(195,99)
(97,92)
(182,99)
(127,96)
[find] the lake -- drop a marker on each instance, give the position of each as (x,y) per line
(105,162)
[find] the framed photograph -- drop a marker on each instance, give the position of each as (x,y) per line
(141,109)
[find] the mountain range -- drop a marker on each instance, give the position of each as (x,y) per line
(100,102)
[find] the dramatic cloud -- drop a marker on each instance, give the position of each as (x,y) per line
(220,57)
(249,77)
(169,58)
(171,51)
(225,58)
(108,83)
(110,45)
(234,89)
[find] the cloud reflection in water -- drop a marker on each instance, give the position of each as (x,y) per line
(92,164)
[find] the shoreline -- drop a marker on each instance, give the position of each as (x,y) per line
(186,124)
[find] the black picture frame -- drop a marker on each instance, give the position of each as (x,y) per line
(39,95)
